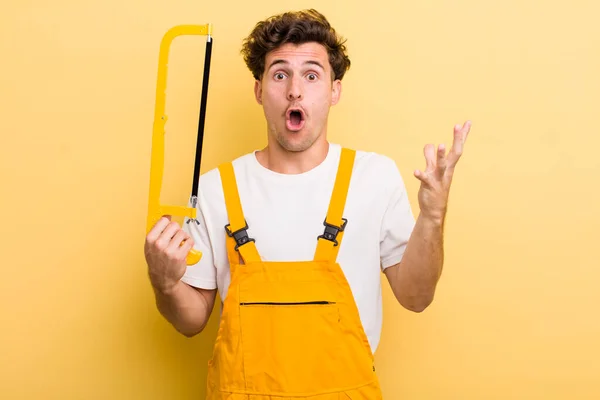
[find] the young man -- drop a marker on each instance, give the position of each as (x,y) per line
(301,307)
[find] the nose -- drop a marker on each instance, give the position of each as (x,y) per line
(294,89)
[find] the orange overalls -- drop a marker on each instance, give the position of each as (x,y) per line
(290,330)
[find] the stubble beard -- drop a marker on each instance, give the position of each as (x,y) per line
(293,145)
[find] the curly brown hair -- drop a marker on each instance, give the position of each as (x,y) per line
(294,27)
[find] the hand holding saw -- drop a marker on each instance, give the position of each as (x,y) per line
(155,209)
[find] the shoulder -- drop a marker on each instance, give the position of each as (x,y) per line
(211,186)
(377,170)
(373,161)
(212,178)
(368,161)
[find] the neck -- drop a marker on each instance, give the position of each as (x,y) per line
(280,160)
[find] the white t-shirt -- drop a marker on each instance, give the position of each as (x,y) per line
(285,214)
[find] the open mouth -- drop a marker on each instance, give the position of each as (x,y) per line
(294,119)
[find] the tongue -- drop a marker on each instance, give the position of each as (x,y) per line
(295,118)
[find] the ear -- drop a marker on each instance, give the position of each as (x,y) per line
(336,91)
(258,91)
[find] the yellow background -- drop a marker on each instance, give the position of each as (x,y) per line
(516,314)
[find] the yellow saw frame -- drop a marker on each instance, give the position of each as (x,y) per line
(155,209)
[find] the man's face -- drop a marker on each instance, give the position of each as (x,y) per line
(296,91)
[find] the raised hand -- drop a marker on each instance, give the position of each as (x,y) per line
(437,177)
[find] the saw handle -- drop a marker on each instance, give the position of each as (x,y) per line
(193,257)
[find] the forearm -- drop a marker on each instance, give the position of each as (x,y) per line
(186,308)
(417,275)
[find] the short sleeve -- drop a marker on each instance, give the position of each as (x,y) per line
(203,274)
(398,221)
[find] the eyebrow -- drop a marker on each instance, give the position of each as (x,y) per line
(281,61)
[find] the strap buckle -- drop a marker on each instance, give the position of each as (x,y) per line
(332,231)
(240,236)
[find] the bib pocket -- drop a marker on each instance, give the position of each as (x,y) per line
(290,346)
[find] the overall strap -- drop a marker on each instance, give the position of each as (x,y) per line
(328,244)
(237,235)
